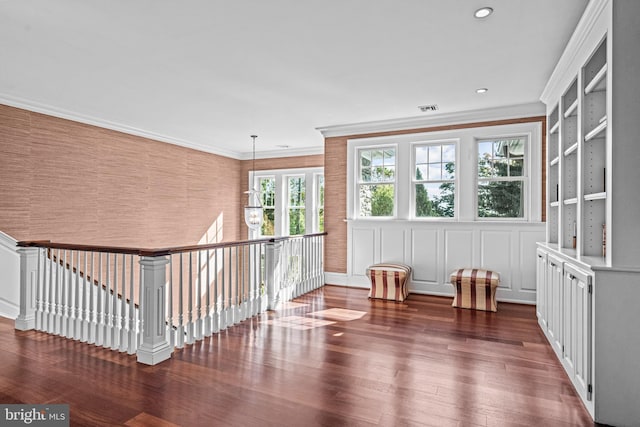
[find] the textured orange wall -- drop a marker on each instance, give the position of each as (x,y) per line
(69,182)
(335,173)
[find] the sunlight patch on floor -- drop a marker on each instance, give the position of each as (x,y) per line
(286,305)
(339,314)
(298,322)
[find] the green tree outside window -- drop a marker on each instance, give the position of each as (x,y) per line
(501,178)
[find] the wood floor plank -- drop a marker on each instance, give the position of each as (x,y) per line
(417,363)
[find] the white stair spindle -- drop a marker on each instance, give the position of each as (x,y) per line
(57,326)
(77,307)
(64,312)
(215,327)
(171,329)
(190,284)
(132,346)
(180,331)
(92,304)
(84,290)
(50,293)
(107,305)
(238,300)
(113,333)
(208,318)
(100,303)
(230,305)
(40,280)
(199,326)
(123,306)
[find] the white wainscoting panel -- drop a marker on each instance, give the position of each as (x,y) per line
(392,245)
(434,249)
(459,248)
(527,251)
(363,250)
(497,254)
(424,259)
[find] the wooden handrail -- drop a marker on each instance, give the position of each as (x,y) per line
(158,251)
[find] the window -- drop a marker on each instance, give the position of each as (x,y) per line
(434,180)
(376,182)
(267,187)
(320,203)
(296,206)
(486,173)
(502,178)
(292,199)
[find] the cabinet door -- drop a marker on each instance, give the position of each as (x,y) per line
(541,289)
(554,304)
(581,285)
(568,320)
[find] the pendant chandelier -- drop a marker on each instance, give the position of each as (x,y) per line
(253,210)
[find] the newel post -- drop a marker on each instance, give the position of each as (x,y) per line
(28,284)
(155,346)
(273,273)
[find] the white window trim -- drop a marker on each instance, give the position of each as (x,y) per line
(357,177)
(281,197)
(412,200)
(528,171)
(287,207)
(316,200)
(466,171)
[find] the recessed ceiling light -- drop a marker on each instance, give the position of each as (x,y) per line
(283,146)
(482,90)
(483,12)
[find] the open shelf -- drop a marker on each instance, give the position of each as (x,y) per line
(594,218)
(554,161)
(571,110)
(571,201)
(598,83)
(597,130)
(555,128)
(554,204)
(571,149)
(596,196)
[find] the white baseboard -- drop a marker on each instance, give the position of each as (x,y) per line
(8,309)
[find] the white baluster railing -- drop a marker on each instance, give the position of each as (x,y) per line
(148,302)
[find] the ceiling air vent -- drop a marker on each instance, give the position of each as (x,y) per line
(427,108)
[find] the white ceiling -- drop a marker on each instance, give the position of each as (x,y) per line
(209,73)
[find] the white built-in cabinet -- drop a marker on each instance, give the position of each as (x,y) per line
(588,268)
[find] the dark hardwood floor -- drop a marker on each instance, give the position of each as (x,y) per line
(379,363)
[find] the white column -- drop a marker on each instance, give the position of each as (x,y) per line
(26,320)
(273,273)
(155,346)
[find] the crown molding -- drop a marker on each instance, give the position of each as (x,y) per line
(49,110)
(470,116)
(284,152)
(574,54)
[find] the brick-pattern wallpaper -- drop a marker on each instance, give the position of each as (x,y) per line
(335,204)
(70,182)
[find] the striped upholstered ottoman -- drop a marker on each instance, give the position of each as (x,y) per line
(475,288)
(389,281)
